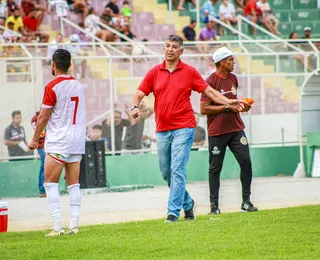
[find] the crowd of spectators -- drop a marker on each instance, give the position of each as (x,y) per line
(257,11)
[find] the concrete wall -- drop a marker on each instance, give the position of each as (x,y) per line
(19,179)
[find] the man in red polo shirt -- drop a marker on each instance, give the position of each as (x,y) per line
(225,128)
(254,14)
(31,24)
(171,83)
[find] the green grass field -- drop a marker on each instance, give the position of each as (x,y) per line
(292,233)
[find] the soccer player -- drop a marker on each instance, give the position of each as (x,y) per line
(171,83)
(225,128)
(63,114)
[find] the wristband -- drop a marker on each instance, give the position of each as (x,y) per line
(226,109)
(133,107)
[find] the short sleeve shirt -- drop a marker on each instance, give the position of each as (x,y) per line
(17,22)
(15,134)
(250,6)
(227,11)
(189,33)
(66,129)
(172,91)
(210,8)
(206,34)
(228,122)
(118,132)
(30,23)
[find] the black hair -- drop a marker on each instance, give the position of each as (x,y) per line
(175,38)
(144,40)
(217,64)
(97,127)
(291,34)
(62,59)
(33,9)
(193,21)
(125,3)
(15,113)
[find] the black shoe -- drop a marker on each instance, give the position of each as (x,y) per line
(190,214)
(214,209)
(247,206)
(171,218)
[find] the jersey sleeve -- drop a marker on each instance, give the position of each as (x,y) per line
(198,83)
(204,98)
(146,85)
(49,97)
(7,135)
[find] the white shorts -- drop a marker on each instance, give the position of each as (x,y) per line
(66,158)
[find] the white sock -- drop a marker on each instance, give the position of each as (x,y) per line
(53,198)
(75,202)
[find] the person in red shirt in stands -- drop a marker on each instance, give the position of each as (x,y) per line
(31,25)
(27,5)
(254,14)
(171,83)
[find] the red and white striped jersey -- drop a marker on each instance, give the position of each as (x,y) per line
(66,129)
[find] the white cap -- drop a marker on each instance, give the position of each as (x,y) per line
(221,54)
(307,28)
(74,38)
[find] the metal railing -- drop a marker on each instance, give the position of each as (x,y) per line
(120,74)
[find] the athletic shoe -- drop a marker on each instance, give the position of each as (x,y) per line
(54,233)
(190,214)
(247,206)
(42,195)
(214,209)
(171,219)
(73,231)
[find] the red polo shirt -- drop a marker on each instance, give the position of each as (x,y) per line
(172,93)
(30,23)
(252,5)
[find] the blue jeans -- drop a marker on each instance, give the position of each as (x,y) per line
(173,154)
(42,155)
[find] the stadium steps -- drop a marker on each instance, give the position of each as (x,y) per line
(100,70)
(161,16)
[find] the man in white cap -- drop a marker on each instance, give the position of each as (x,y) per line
(226,129)
(307,33)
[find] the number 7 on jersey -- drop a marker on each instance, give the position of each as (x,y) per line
(76,100)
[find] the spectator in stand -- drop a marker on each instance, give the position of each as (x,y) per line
(133,137)
(96,135)
(92,27)
(54,45)
(125,29)
(208,33)
(61,7)
(209,10)
(16,20)
(240,4)
(114,7)
(267,14)
(9,34)
(28,5)
(15,137)
(200,135)
(119,124)
(42,155)
(307,33)
(227,14)
(254,14)
(12,6)
(181,4)
(31,25)
(189,34)
(79,6)
(126,9)
(300,57)
(3,13)
(78,67)
(106,17)
(140,49)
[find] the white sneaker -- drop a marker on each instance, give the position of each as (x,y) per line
(54,233)
(72,231)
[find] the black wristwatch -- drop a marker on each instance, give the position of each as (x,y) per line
(226,109)
(133,107)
